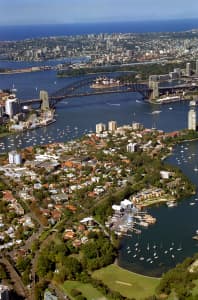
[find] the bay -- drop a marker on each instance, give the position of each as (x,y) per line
(170,239)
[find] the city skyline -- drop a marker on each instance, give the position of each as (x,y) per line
(22,12)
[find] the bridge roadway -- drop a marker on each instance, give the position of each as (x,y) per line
(83,88)
(53,100)
(72,91)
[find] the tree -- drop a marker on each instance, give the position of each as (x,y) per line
(44,265)
(23,263)
(3,274)
(72,267)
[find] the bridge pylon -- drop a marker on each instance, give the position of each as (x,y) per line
(44,100)
(154,86)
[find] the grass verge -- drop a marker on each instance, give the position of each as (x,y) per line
(86,289)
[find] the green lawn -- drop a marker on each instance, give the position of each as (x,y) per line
(87,290)
(127,283)
(195,290)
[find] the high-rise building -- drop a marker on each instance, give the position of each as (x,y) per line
(192,116)
(188,69)
(4,292)
(44,100)
(12,106)
(112,126)
(137,126)
(2,110)
(100,127)
(196,67)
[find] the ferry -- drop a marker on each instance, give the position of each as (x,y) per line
(168,99)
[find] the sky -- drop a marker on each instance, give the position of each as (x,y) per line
(20,12)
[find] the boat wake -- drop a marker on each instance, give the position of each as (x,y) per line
(155,112)
(64,102)
(139,101)
(113,104)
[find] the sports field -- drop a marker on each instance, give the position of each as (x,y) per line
(127,283)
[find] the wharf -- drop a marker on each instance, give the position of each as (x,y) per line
(130,220)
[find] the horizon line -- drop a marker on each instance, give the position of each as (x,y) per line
(100,22)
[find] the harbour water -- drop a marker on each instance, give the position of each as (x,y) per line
(77,116)
(167,242)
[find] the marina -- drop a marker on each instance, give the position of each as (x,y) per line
(127,218)
(174,236)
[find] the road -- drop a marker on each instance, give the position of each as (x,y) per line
(16,279)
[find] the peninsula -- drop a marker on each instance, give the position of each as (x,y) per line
(58,198)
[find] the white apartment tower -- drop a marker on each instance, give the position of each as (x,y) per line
(100,127)
(12,105)
(196,68)
(112,126)
(188,69)
(192,116)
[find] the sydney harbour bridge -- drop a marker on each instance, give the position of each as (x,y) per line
(83,87)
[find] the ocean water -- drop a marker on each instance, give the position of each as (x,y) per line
(34,31)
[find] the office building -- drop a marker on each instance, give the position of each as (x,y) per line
(192,116)
(112,126)
(100,127)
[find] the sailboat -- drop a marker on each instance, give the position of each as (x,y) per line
(13,88)
(195,169)
(148,247)
(180,248)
